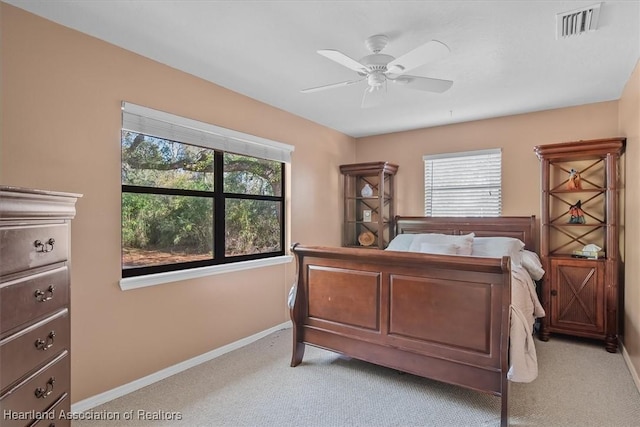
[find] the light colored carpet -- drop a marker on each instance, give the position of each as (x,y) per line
(579,384)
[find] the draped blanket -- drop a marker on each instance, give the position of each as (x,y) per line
(525,308)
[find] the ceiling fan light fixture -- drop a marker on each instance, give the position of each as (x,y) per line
(376,79)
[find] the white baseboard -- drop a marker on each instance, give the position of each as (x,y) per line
(109,395)
(632,369)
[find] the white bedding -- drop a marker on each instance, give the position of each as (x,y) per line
(525,308)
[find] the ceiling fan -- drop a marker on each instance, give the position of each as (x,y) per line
(379,68)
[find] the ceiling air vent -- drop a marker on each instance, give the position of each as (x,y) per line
(577,21)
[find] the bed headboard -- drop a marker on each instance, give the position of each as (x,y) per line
(520,227)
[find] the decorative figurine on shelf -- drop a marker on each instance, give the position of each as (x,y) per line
(574,180)
(366,191)
(577,214)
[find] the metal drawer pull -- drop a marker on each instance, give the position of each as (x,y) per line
(46,345)
(44,247)
(42,296)
(42,393)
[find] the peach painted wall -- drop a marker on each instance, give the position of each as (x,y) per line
(629,106)
(516,135)
(61,120)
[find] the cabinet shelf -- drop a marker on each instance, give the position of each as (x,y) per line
(569,256)
(580,295)
(584,190)
(379,176)
(365,222)
(372,198)
(553,224)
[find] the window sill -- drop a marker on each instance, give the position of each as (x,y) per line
(129,283)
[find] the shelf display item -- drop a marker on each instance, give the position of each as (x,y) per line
(366,191)
(366,238)
(577,214)
(574,180)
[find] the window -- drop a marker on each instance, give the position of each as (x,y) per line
(463,184)
(196,195)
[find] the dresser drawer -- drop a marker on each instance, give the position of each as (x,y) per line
(39,391)
(52,417)
(32,297)
(25,247)
(32,346)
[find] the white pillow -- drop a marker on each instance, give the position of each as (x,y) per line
(439,248)
(401,242)
(497,247)
(531,262)
(464,242)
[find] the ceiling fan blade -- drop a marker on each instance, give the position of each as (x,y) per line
(343,59)
(331,86)
(428,52)
(373,96)
(423,83)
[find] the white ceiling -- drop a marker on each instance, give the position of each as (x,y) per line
(505,58)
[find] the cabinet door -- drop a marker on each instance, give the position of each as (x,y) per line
(577,295)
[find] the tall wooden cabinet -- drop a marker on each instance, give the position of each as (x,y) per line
(35,239)
(368,204)
(580,186)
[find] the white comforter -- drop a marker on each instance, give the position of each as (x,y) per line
(525,308)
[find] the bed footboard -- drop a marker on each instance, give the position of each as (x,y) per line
(436,316)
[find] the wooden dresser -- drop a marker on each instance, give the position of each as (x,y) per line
(35,260)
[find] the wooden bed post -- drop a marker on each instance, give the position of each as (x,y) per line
(504,347)
(504,400)
(294,312)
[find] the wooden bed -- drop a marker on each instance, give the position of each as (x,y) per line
(436,316)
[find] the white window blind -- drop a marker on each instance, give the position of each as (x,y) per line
(156,123)
(463,184)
